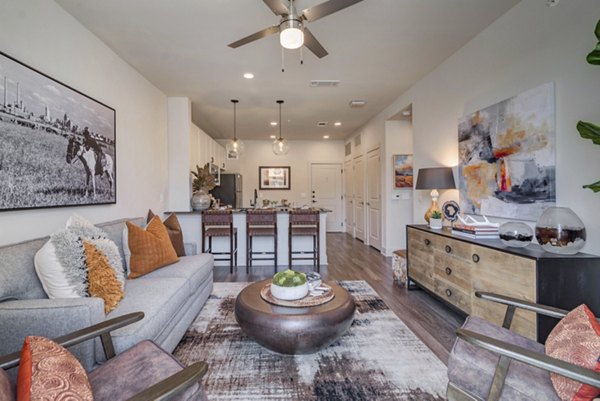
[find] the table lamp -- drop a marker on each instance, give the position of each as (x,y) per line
(435,178)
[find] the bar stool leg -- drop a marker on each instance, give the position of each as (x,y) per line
(235,255)
(231,253)
(318,253)
(248,250)
(290,248)
(275,253)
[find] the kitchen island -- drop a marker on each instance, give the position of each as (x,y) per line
(191,224)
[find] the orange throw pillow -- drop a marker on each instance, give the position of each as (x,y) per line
(575,339)
(48,371)
(102,280)
(150,248)
(174,230)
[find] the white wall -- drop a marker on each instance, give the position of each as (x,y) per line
(301,154)
(398,140)
(41,34)
(180,135)
(530,45)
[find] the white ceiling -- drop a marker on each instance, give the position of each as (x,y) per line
(377,49)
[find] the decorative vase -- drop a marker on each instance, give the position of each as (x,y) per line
(559,230)
(435,224)
(516,234)
(200,200)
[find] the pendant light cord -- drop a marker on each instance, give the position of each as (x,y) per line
(234,101)
(280,103)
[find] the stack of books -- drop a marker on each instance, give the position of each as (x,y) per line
(479,231)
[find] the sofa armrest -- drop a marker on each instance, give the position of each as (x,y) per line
(190,248)
(49,318)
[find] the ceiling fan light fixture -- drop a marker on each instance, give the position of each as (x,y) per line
(291,36)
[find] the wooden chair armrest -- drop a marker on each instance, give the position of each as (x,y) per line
(174,384)
(542,361)
(519,303)
(101,329)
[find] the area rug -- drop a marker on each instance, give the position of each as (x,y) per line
(378,358)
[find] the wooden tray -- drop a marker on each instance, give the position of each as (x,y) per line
(309,300)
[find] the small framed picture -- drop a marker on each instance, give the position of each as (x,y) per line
(403,171)
(274,177)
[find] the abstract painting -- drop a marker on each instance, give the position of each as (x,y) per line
(57,145)
(507,157)
(270,177)
(403,171)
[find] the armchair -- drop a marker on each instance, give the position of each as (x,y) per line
(492,363)
(143,372)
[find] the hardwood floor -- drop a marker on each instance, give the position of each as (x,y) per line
(350,259)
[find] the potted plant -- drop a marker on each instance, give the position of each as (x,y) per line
(289,285)
(435,221)
(203,182)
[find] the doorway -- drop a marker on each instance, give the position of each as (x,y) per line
(373,204)
(326,192)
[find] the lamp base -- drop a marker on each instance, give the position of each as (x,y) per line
(434,207)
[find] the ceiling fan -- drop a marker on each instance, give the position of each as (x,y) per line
(292,30)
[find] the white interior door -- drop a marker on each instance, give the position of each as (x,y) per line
(349,197)
(326,192)
(359,198)
(373,204)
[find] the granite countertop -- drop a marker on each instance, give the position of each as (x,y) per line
(242,210)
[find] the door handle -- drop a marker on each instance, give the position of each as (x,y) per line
(368,204)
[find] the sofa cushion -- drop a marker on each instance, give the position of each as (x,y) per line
(472,368)
(135,370)
(158,298)
(150,248)
(18,279)
(194,269)
(114,230)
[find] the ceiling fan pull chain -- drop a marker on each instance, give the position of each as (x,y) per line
(301,55)
(282,61)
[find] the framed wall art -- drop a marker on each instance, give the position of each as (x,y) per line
(277,177)
(403,171)
(57,144)
(507,157)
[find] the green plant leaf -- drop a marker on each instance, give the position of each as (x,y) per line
(589,131)
(594,187)
(597,32)
(594,57)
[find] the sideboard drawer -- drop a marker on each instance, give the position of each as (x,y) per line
(453,270)
(456,248)
(452,294)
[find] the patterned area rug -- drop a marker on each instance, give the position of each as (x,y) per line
(378,358)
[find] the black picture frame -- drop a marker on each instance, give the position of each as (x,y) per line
(51,136)
(274,178)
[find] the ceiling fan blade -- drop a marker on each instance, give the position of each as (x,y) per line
(277,7)
(255,36)
(324,9)
(313,44)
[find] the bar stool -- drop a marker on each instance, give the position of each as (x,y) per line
(260,223)
(219,223)
(305,223)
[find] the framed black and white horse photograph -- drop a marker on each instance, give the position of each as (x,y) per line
(57,145)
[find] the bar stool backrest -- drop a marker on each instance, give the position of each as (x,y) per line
(217,217)
(304,217)
(261,217)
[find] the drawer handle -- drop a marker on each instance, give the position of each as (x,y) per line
(427,242)
(448,271)
(476,258)
(448,249)
(448,292)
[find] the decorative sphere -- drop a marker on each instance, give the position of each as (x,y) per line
(516,234)
(559,230)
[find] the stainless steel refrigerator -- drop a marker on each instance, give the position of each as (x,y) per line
(230,190)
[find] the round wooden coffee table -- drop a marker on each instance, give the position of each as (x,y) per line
(293,330)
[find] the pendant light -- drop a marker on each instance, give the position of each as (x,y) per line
(280,145)
(234,147)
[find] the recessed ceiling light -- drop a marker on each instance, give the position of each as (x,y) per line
(248,75)
(337,123)
(273,123)
(325,136)
(406,113)
(273,136)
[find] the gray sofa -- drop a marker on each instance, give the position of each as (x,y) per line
(170,297)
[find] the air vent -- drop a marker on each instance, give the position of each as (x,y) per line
(348,148)
(357,141)
(324,83)
(357,103)
(322,123)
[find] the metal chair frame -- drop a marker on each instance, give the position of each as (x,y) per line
(218,219)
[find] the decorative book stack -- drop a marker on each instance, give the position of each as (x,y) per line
(479,231)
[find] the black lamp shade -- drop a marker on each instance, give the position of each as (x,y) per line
(435,178)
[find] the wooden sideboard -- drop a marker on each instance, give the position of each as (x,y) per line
(452,268)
